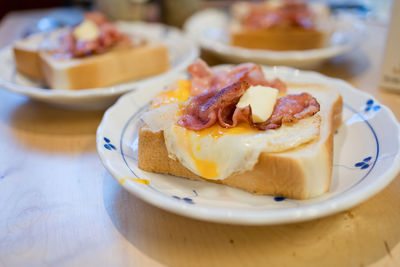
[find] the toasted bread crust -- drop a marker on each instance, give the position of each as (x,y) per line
(106,69)
(112,67)
(275,173)
(278,39)
(28,63)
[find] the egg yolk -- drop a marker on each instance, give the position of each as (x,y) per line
(137,180)
(179,94)
(216,131)
(205,168)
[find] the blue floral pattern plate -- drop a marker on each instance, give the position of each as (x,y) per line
(182,52)
(366,159)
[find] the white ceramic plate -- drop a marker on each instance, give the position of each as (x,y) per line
(182,52)
(366,159)
(210,29)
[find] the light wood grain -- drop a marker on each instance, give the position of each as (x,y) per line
(60,207)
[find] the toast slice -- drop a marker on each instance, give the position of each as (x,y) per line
(26,57)
(278,39)
(299,173)
(113,67)
(281,37)
(118,65)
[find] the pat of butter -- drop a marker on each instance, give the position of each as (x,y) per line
(261,99)
(86,31)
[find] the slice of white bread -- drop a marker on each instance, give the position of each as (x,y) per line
(109,68)
(300,173)
(26,57)
(112,67)
(278,39)
(281,38)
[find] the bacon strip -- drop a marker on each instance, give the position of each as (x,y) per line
(96,17)
(204,80)
(201,77)
(293,13)
(108,38)
(205,110)
(220,107)
(290,108)
(238,115)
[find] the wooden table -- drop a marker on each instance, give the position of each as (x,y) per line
(60,207)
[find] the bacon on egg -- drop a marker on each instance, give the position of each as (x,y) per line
(219,106)
(204,79)
(109,37)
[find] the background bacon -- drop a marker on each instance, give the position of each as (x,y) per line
(203,79)
(109,37)
(96,17)
(291,13)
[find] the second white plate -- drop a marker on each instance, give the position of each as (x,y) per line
(210,29)
(182,52)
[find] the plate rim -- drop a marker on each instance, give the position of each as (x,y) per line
(255,217)
(103,92)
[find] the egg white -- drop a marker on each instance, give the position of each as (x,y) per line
(236,153)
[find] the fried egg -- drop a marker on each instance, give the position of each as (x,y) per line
(216,152)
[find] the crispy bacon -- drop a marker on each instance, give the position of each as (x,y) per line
(220,107)
(205,110)
(203,79)
(290,108)
(231,118)
(96,17)
(292,13)
(109,37)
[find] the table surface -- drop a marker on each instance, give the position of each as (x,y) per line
(59,206)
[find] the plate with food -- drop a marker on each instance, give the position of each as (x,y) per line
(290,33)
(91,64)
(250,144)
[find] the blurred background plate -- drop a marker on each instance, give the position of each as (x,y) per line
(210,29)
(182,52)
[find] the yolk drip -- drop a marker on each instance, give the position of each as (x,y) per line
(140,181)
(205,168)
(179,94)
(216,131)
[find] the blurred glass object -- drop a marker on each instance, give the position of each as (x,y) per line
(175,12)
(373,10)
(144,10)
(54,19)
(390,76)
(47,24)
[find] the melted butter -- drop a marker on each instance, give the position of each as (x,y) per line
(179,94)
(216,131)
(140,181)
(205,168)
